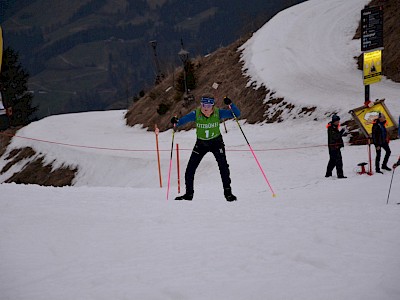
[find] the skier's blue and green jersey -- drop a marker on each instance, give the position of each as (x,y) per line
(208,128)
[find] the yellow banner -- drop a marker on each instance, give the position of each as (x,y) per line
(1,47)
(368,115)
(372,67)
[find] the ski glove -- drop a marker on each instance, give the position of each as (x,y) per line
(227,101)
(174,120)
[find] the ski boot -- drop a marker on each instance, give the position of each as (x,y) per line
(228,195)
(187,196)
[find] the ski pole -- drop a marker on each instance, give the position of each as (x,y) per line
(390,187)
(252,152)
(215,87)
(170,161)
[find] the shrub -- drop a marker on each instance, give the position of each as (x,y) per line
(162,109)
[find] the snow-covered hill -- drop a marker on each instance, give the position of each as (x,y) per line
(113,235)
(307,55)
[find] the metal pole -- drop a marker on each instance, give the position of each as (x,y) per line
(184,77)
(184,56)
(367,94)
(159,75)
(387,201)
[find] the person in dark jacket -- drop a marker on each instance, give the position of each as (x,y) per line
(335,142)
(380,138)
(209,139)
(398,130)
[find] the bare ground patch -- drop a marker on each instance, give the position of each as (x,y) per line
(35,171)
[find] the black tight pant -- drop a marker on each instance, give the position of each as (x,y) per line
(335,160)
(217,147)
(385,146)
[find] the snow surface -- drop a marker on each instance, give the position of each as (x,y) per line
(113,235)
(306,54)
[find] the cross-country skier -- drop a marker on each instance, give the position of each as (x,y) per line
(335,142)
(209,139)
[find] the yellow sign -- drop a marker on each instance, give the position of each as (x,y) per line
(367,115)
(1,47)
(372,67)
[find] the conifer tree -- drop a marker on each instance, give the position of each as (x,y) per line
(13,81)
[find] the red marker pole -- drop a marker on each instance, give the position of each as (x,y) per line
(369,157)
(178,168)
(157,131)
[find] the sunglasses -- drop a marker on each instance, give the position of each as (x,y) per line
(207,105)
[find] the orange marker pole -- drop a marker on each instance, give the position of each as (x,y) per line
(157,131)
(170,161)
(179,172)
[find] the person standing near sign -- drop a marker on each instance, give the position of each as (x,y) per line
(398,132)
(335,142)
(380,138)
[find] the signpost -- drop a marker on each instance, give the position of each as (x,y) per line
(371,28)
(372,67)
(365,117)
(371,46)
(371,39)
(1,47)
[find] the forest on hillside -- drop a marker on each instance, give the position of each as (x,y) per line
(115,42)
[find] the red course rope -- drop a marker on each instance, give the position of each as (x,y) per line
(151,150)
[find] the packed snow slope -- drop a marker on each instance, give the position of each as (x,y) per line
(113,235)
(307,55)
